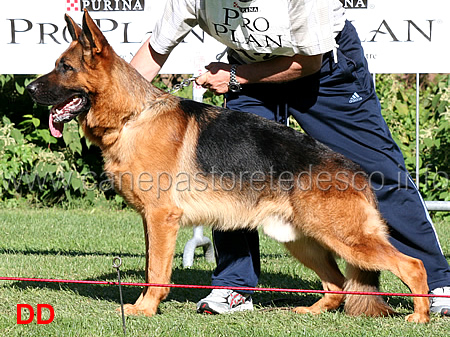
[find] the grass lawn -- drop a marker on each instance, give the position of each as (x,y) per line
(80,244)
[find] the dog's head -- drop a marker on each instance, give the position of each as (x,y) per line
(70,88)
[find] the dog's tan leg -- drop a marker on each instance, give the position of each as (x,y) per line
(314,256)
(410,270)
(161,228)
(374,252)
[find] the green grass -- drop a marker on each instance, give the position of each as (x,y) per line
(80,244)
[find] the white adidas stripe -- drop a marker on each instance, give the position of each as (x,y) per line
(426,213)
(355,98)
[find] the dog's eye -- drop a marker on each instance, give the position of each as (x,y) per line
(65,67)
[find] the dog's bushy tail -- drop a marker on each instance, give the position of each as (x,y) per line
(369,305)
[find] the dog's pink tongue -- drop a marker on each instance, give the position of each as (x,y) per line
(56,128)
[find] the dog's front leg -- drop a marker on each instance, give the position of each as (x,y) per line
(160,228)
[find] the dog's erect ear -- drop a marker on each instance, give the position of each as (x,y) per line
(93,37)
(74,29)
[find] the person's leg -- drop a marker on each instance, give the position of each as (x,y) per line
(238,265)
(237,257)
(341,110)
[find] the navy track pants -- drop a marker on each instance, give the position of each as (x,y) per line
(338,106)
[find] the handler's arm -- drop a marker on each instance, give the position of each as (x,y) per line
(147,61)
(280,69)
(277,70)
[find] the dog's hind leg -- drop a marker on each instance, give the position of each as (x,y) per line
(161,228)
(362,241)
(316,257)
(375,254)
(349,224)
(412,272)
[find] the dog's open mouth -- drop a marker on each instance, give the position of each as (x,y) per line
(65,112)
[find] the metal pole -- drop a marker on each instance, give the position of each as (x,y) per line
(438,205)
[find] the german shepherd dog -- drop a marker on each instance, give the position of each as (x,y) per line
(183,163)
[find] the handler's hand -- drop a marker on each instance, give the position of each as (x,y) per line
(216,79)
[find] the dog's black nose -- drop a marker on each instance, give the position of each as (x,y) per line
(32,88)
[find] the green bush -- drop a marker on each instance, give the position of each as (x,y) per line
(33,164)
(397,95)
(38,174)
(42,169)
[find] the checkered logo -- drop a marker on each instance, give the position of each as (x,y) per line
(73,5)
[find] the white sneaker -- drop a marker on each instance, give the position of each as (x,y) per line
(221,301)
(440,305)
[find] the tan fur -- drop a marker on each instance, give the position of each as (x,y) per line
(146,138)
(368,282)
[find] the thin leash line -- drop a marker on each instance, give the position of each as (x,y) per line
(194,286)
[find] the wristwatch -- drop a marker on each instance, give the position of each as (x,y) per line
(234,85)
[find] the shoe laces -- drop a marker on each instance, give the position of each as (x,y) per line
(220,293)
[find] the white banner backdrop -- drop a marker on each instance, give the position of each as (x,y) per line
(401,36)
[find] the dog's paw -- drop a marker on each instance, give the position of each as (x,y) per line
(135,310)
(418,318)
(306,310)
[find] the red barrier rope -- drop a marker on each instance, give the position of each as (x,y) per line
(193,286)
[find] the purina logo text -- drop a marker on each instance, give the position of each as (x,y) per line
(113,5)
(355,4)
